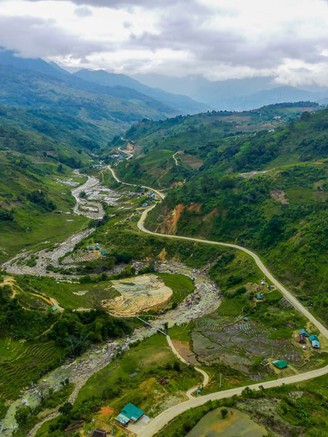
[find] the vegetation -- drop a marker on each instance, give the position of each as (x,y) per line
(27,418)
(281,211)
(138,376)
(298,409)
(197,137)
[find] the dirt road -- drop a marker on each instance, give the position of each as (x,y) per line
(159,193)
(206,378)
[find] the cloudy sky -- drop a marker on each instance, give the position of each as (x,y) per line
(218,39)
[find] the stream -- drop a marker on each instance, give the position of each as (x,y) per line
(90,206)
(204,300)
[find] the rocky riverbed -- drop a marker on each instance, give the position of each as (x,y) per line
(88,205)
(204,300)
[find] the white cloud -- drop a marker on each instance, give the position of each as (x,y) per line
(218,39)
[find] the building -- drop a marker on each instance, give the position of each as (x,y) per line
(304,332)
(259,296)
(301,338)
(99,433)
(315,344)
(280,364)
(130,413)
(314,341)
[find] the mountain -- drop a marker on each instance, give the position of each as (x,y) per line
(235,94)
(181,103)
(265,188)
(38,85)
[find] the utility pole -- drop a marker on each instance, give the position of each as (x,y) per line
(220,380)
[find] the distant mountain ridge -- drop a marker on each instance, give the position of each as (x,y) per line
(102,77)
(235,94)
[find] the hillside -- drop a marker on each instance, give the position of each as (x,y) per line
(30,196)
(265,190)
(195,139)
(108,110)
(182,104)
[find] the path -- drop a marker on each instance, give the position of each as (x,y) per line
(206,378)
(159,193)
(166,416)
(129,154)
(175,159)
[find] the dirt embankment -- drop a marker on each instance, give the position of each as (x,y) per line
(169,225)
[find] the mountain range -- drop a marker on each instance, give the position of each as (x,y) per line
(235,94)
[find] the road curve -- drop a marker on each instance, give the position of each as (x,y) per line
(206,378)
(166,416)
(287,294)
(159,193)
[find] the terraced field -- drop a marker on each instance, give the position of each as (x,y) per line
(25,363)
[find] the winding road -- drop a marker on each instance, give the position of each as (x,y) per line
(166,416)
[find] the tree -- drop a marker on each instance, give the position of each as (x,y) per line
(224,413)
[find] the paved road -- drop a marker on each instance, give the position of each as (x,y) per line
(166,416)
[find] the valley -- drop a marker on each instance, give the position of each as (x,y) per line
(200,305)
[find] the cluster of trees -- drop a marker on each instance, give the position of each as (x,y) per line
(40,198)
(19,323)
(75,331)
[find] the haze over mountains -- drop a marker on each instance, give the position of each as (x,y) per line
(235,94)
(110,100)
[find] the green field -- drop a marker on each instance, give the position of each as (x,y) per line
(147,362)
(134,377)
(234,424)
(25,363)
(181,286)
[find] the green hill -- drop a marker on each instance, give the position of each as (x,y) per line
(265,190)
(196,139)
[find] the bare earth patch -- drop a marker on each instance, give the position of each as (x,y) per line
(279,196)
(138,294)
(183,349)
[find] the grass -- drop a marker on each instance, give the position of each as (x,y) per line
(96,292)
(149,361)
(181,286)
(33,227)
(28,362)
(64,292)
(134,377)
(234,424)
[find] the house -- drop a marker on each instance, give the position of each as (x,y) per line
(315,344)
(259,296)
(99,433)
(280,364)
(313,337)
(314,341)
(304,332)
(104,252)
(301,338)
(130,413)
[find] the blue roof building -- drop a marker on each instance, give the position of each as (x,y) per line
(304,332)
(259,296)
(315,344)
(130,413)
(313,337)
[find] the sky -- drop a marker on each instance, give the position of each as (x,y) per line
(216,39)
